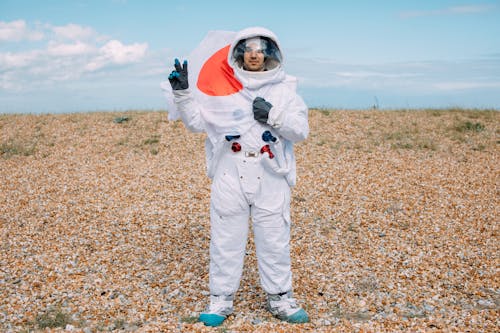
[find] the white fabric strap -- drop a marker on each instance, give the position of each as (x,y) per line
(285,305)
(218,303)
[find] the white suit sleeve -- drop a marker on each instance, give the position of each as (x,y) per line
(290,119)
(189,110)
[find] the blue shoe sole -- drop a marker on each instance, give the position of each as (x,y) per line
(298,317)
(211,319)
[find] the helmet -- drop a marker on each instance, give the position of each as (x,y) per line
(272,54)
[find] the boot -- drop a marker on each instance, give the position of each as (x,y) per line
(284,307)
(217,311)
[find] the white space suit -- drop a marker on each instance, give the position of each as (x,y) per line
(248,182)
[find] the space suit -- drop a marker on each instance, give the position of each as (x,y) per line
(250,159)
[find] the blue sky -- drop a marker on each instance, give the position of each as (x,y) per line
(89,55)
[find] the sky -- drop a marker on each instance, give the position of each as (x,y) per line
(111,55)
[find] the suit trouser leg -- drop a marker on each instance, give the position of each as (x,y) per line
(228,239)
(271,223)
(238,190)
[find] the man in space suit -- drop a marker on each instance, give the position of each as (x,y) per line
(249,149)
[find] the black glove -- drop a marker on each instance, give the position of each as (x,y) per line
(261,109)
(179,77)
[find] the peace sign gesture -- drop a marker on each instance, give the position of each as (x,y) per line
(179,77)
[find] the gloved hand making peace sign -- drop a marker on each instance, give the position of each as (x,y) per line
(179,77)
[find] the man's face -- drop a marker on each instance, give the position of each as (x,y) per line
(253,58)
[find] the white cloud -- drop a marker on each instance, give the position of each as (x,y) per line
(17,31)
(465,85)
(122,54)
(73,32)
(325,73)
(115,52)
(405,78)
(455,10)
(471,9)
(11,60)
(72,49)
(70,52)
(369,74)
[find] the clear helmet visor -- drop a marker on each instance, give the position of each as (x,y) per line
(255,44)
(264,45)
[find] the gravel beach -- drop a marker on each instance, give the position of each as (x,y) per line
(104,224)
